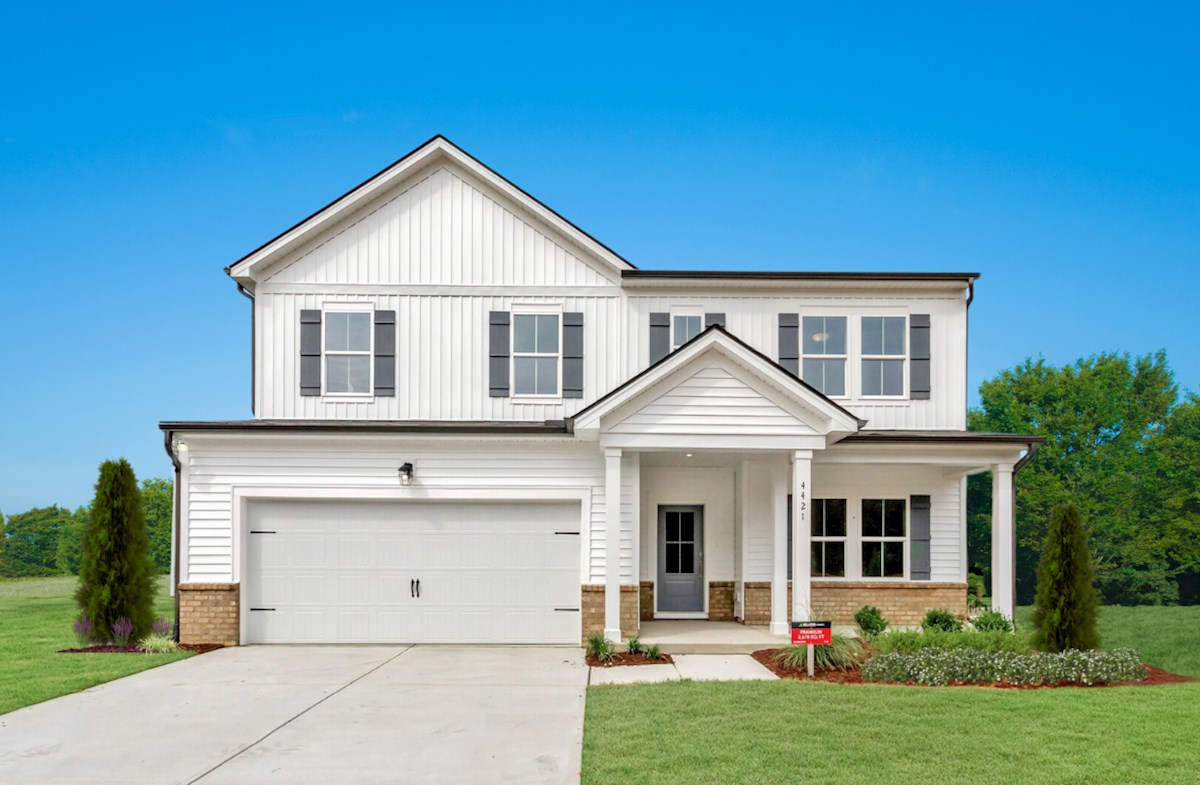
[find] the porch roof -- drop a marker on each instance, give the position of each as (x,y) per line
(716,391)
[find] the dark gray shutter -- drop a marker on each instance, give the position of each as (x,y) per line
(714,318)
(310,352)
(385,353)
(660,336)
(789,342)
(572,355)
(918,356)
(918,538)
(498,347)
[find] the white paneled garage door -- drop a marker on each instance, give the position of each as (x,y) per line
(412,572)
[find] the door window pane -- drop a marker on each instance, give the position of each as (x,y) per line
(672,566)
(686,552)
(686,527)
(672,527)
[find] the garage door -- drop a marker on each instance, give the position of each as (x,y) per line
(412,572)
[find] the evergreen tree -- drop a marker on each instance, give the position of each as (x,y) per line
(115,572)
(1064,608)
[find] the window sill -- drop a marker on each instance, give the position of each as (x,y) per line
(531,399)
(359,397)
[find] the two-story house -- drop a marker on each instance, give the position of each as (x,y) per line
(474,422)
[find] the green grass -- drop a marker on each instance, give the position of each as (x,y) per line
(1167,636)
(783,732)
(36,615)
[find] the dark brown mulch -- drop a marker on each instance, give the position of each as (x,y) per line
(195,648)
(766,657)
(200,648)
(629,659)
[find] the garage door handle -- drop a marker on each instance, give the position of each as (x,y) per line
(412,587)
(418,588)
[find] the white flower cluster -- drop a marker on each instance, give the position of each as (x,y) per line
(937,667)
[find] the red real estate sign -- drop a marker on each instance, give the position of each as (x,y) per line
(812,633)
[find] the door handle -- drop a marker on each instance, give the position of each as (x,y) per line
(412,588)
(418,588)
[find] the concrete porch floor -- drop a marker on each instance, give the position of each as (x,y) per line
(707,637)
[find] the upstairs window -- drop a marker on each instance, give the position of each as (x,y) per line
(348,352)
(884,530)
(823,354)
(684,327)
(883,356)
(536,342)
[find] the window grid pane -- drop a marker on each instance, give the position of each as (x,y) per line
(685,328)
(883,537)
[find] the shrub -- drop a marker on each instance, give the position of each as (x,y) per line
(992,621)
(653,652)
(600,648)
(85,630)
(976,591)
(941,619)
(154,643)
(937,667)
(635,645)
(1064,607)
(870,620)
(163,627)
(842,654)
(122,632)
(115,574)
(907,642)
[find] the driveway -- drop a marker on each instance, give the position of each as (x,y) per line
(314,714)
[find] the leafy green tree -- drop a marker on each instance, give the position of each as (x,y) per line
(70,542)
(1176,459)
(30,542)
(1101,417)
(116,573)
(158,502)
(1064,609)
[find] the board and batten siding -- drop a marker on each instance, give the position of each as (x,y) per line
(215,464)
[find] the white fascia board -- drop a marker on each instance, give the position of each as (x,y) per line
(971,457)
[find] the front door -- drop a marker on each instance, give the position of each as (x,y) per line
(680,558)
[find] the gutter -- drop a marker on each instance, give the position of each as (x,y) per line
(249,295)
(1033,448)
(168,444)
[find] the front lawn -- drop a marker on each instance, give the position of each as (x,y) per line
(783,732)
(36,615)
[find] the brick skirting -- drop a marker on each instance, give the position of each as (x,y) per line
(902,603)
(208,613)
(646,601)
(592,605)
(720,600)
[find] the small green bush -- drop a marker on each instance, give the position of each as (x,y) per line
(976,591)
(909,641)
(1064,607)
(635,645)
(871,621)
(155,643)
(992,621)
(653,652)
(600,648)
(937,667)
(941,619)
(842,654)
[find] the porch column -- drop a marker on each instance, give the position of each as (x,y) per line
(612,544)
(1004,577)
(779,480)
(801,536)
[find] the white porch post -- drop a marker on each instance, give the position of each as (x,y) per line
(612,544)
(801,535)
(779,619)
(1004,576)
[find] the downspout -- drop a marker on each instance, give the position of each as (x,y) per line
(1033,448)
(242,290)
(169,444)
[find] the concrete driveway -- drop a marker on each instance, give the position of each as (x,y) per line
(314,714)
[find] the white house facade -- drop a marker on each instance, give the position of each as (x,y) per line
(473,422)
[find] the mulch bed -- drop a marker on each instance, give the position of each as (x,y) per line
(195,648)
(766,658)
(629,659)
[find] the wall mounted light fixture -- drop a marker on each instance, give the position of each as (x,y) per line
(406,474)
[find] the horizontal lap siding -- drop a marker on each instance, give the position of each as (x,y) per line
(214,466)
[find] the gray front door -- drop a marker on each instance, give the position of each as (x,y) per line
(680,558)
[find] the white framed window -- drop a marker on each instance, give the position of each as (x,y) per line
(823,354)
(884,536)
(348,343)
(884,356)
(685,325)
(829,535)
(537,353)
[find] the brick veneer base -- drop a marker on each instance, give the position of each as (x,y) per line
(646,601)
(902,603)
(592,606)
(208,613)
(720,600)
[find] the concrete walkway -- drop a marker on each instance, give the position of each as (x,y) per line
(314,714)
(696,667)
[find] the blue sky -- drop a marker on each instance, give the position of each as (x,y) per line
(142,149)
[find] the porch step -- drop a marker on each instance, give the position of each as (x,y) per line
(707,637)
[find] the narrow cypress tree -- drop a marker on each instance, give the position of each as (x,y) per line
(116,575)
(1064,612)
